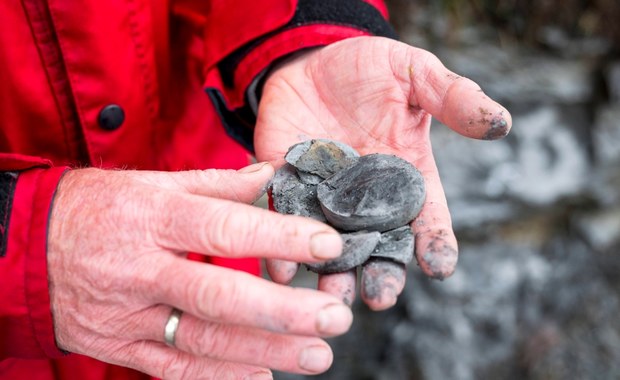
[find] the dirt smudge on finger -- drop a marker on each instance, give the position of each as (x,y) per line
(498,128)
(439,259)
(341,285)
(382,279)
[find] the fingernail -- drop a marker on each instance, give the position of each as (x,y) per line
(315,359)
(325,245)
(378,296)
(334,319)
(259,376)
(253,168)
(439,260)
(388,297)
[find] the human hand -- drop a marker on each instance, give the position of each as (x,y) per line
(116,262)
(376,95)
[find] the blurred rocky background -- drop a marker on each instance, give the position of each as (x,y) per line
(537,291)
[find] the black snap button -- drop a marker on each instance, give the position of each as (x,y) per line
(111,117)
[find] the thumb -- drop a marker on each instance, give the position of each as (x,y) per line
(245,185)
(455,101)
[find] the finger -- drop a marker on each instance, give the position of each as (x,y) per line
(341,285)
(228,296)
(245,185)
(231,343)
(382,282)
(436,249)
(281,271)
(184,222)
(454,100)
(161,361)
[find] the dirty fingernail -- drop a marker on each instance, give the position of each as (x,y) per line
(253,168)
(334,319)
(498,128)
(388,297)
(325,245)
(315,359)
(439,261)
(380,299)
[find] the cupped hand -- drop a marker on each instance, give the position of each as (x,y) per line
(117,243)
(377,95)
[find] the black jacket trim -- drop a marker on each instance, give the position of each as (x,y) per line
(354,13)
(238,124)
(358,14)
(8,180)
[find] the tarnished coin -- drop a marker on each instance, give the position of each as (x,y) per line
(379,193)
(373,198)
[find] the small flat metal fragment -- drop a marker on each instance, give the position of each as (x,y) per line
(293,197)
(356,249)
(379,193)
(321,157)
(397,245)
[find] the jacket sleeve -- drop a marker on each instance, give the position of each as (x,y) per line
(243,41)
(27,187)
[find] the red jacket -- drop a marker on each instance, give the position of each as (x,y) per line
(121,83)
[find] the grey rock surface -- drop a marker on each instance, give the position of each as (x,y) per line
(613,80)
(606,135)
(520,77)
(542,163)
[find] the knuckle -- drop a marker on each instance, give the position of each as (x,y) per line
(219,181)
(215,341)
(214,177)
(199,178)
(179,367)
(216,299)
(210,175)
(194,370)
(288,234)
(431,60)
(227,371)
(231,232)
(174,367)
(277,353)
(216,234)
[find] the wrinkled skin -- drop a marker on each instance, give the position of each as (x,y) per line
(117,239)
(377,95)
(116,262)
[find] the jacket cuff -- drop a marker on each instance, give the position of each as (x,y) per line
(26,326)
(315,23)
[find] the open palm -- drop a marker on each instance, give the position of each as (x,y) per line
(377,95)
